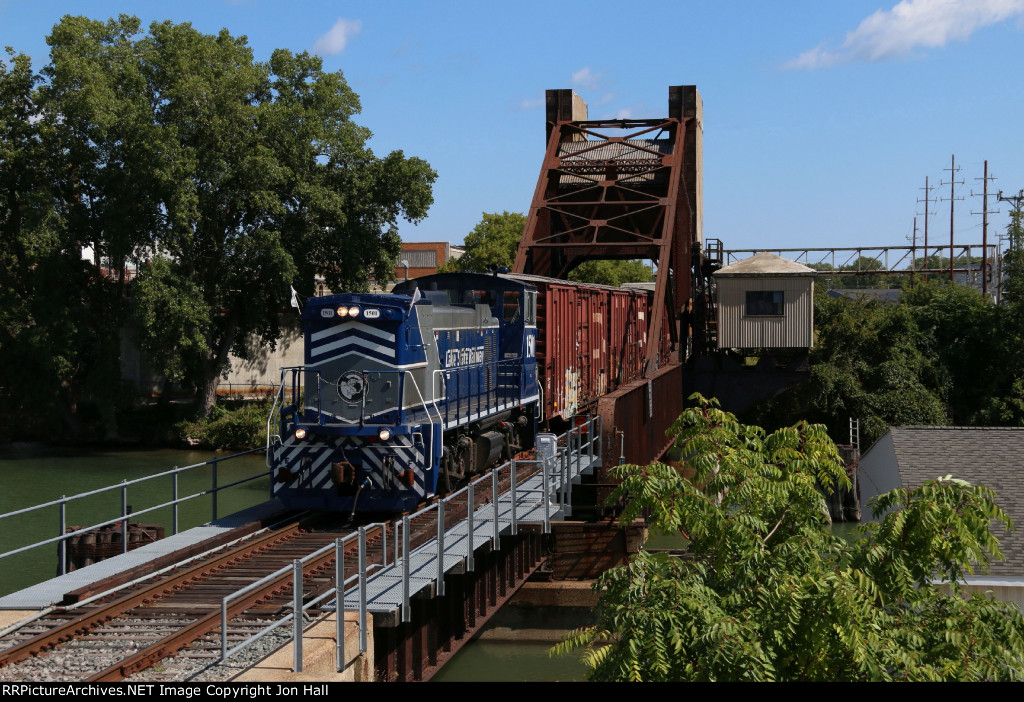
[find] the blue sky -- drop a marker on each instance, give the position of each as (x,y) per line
(821,120)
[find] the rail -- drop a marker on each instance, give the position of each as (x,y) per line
(62,503)
(498,513)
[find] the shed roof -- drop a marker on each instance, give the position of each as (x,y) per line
(989,456)
(766,264)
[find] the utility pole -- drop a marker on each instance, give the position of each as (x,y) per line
(927,189)
(984,229)
(913,249)
(1016,202)
(952,201)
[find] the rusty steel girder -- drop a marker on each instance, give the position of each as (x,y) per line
(621,189)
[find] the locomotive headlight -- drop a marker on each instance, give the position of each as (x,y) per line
(384,434)
(353,311)
(343,311)
(300,433)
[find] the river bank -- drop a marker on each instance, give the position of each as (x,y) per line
(233,425)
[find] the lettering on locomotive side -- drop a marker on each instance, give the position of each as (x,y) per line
(531,346)
(463,357)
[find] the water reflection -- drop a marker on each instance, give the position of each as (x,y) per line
(31,477)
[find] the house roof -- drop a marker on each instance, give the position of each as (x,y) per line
(989,456)
(765,264)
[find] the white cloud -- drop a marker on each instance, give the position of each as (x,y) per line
(336,38)
(586,79)
(627,112)
(909,25)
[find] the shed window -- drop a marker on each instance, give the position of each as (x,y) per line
(764,302)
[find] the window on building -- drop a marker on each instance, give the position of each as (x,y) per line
(764,303)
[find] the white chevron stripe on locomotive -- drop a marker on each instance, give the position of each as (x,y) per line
(352,326)
(352,342)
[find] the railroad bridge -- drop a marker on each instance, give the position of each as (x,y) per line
(607,189)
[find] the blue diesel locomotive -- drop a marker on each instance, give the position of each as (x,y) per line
(403,395)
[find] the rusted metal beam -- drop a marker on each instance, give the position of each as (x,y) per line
(621,189)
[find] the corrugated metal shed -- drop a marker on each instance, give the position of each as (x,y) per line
(765,301)
(630,160)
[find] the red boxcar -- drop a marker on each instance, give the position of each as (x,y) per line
(591,339)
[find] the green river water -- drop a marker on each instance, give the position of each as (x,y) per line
(31,477)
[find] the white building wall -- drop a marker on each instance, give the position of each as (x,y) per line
(877,473)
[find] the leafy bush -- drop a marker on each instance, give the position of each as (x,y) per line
(767,592)
(239,428)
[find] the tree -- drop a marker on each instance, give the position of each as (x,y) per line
(868,362)
(236,178)
(494,241)
(766,592)
(58,319)
(606,272)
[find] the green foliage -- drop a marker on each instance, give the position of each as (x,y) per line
(766,592)
(943,354)
(494,241)
(230,178)
(612,272)
(238,428)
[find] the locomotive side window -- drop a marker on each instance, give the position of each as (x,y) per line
(478,297)
(531,308)
(511,305)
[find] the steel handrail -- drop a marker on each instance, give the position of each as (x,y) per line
(593,426)
(340,607)
(123,485)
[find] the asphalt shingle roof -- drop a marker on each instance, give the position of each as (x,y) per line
(989,456)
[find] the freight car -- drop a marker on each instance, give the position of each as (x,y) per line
(402,396)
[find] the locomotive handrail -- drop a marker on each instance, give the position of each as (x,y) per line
(488,377)
(279,395)
(423,403)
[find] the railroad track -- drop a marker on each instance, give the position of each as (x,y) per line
(174,615)
(168,627)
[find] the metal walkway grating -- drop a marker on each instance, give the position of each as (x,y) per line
(385,590)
